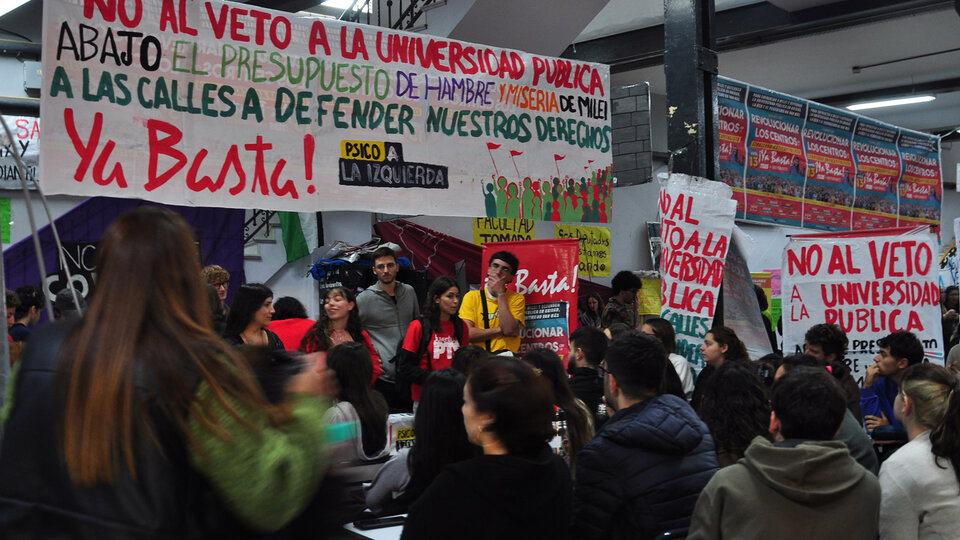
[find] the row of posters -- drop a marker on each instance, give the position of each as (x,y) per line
(795,162)
(224,104)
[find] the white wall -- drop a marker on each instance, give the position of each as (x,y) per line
(633,206)
(293,279)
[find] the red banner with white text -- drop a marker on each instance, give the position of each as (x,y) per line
(547,278)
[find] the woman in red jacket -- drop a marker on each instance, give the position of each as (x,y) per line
(339,322)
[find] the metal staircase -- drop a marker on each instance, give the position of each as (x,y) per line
(259,227)
(399,15)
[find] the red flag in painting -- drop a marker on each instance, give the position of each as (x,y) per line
(558,157)
(492,146)
(516,153)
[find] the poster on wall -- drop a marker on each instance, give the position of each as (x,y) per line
(921,188)
(813,166)
(871,285)
(878,172)
(775,163)
(696,221)
(502,230)
(231,105)
(594,247)
(828,192)
(732,115)
(547,279)
(25,144)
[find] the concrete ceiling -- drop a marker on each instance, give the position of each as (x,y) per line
(821,66)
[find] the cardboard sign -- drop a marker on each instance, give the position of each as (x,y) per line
(594,247)
(502,230)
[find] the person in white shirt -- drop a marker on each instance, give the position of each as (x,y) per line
(919,483)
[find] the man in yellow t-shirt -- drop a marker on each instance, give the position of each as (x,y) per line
(504,307)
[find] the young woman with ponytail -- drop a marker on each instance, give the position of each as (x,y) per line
(921,481)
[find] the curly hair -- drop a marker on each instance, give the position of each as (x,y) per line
(318,337)
(736,408)
(214,274)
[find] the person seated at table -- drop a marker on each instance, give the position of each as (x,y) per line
(518,488)
(440,441)
(358,403)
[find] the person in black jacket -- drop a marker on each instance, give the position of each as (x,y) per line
(518,488)
(641,475)
(587,347)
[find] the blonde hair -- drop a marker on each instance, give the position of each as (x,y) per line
(933,391)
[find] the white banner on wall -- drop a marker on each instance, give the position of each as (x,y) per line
(26,144)
(220,104)
(696,221)
(870,285)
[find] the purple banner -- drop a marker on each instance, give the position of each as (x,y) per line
(219,233)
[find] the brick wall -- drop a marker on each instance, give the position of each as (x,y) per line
(630,116)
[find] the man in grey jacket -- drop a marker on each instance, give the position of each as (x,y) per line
(802,486)
(386,309)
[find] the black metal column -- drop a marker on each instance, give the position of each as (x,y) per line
(690,65)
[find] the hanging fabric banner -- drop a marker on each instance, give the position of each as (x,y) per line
(213,103)
(696,221)
(547,279)
(741,309)
(871,284)
(25,144)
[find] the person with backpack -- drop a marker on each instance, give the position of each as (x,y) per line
(433,337)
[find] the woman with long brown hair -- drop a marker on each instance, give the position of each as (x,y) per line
(138,421)
(339,322)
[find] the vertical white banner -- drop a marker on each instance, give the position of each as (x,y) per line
(696,221)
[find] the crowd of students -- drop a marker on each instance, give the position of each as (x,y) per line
(161,413)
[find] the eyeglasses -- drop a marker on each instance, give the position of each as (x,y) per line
(222,284)
(387,266)
(602,368)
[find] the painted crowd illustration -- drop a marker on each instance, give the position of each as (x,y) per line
(586,199)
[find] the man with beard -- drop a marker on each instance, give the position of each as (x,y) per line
(386,309)
(641,475)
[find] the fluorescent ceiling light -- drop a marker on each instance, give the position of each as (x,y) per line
(889,103)
(7,6)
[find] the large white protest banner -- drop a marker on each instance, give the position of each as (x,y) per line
(696,220)
(225,104)
(870,284)
(25,145)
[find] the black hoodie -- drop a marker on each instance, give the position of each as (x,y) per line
(496,497)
